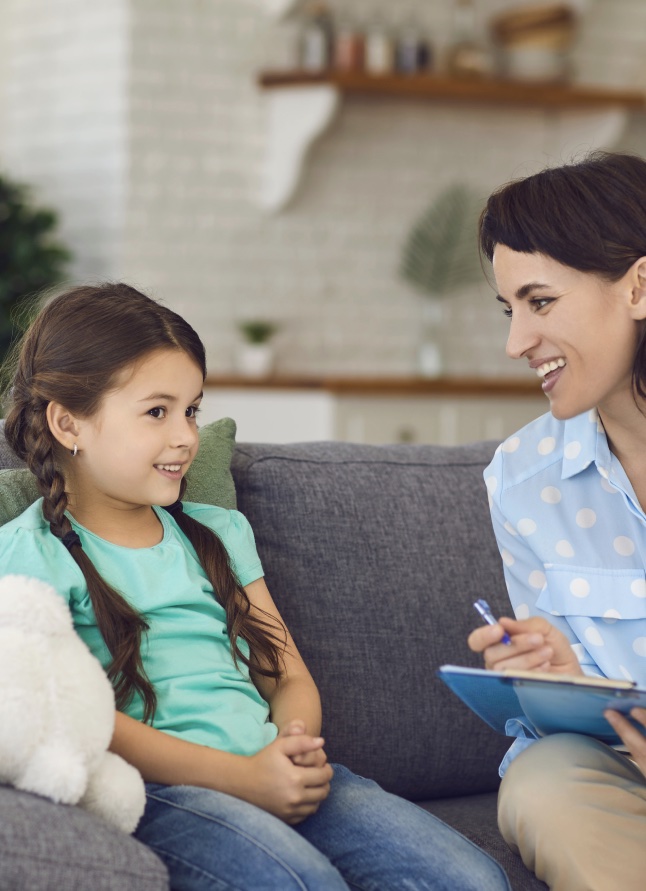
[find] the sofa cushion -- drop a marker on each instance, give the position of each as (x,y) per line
(209,480)
(378,593)
(475,817)
(45,846)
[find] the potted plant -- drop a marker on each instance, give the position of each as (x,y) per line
(31,259)
(440,256)
(255,356)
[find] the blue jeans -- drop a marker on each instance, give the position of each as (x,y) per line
(361,837)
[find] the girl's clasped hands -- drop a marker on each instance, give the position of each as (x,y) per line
(291,776)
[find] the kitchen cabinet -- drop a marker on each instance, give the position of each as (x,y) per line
(383,410)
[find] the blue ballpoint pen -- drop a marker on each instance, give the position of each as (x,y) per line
(485,611)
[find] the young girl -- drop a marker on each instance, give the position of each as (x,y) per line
(568,502)
(215,706)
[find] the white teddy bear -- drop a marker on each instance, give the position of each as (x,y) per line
(57,709)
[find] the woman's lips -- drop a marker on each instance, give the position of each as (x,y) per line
(551,378)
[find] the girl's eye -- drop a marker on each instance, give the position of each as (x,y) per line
(192,411)
(506,312)
(157,412)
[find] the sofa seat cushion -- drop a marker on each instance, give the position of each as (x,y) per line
(51,847)
(475,817)
(375,573)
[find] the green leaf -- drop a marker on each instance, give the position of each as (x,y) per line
(441,252)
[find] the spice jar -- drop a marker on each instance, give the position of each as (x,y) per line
(379,48)
(348,47)
(316,39)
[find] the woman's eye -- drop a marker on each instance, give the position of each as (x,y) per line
(506,312)
(192,411)
(541,302)
(157,412)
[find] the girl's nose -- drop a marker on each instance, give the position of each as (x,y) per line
(185,434)
(522,336)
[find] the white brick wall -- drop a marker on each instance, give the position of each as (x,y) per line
(142,123)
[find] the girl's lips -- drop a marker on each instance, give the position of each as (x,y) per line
(551,378)
(169,474)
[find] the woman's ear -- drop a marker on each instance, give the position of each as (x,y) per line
(637,273)
(63,425)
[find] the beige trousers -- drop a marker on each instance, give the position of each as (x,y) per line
(575,810)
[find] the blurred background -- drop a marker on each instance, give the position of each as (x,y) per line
(288,176)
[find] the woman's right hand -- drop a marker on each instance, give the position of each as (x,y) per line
(536,645)
(289,791)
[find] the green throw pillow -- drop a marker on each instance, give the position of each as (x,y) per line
(209,480)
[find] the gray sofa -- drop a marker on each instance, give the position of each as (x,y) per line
(374,555)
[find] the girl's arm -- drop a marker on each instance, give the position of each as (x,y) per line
(270,779)
(296,695)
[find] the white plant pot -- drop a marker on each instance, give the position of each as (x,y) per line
(255,359)
(429,354)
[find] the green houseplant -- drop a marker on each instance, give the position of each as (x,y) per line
(440,256)
(255,358)
(31,258)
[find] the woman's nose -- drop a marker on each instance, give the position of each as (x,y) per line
(522,336)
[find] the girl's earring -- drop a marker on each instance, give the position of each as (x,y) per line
(75,451)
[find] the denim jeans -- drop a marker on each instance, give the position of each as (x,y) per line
(361,837)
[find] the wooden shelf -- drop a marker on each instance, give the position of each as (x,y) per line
(391,386)
(445,89)
(300,106)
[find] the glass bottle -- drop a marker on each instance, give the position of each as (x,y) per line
(414,51)
(348,47)
(316,39)
(467,55)
(379,49)
(407,48)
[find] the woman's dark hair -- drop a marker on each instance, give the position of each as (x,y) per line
(590,216)
(72,354)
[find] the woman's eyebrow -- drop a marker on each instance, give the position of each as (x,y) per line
(524,290)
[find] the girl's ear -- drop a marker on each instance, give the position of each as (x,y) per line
(63,425)
(637,273)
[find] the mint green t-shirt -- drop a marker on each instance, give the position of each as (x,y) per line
(201,696)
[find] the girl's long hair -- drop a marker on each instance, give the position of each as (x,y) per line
(590,216)
(72,354)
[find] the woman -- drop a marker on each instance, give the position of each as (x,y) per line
(568,499)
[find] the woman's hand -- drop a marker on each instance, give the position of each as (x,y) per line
(286,789)
(632,738)
(536,645)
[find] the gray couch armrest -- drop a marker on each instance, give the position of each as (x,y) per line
(50,847)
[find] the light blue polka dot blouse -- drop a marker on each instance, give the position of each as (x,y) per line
(572,537)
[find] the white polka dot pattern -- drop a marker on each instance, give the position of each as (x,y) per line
(571,551)
(586,518)
(526,526)
(624,545)
(547,445)
(572,450)
(564,548)
(580,587)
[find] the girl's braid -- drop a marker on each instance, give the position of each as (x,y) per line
(51,483)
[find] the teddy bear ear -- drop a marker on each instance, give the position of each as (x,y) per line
(33,606)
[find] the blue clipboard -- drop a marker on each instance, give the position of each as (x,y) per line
(553,704)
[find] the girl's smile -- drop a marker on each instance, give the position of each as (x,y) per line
(135,450)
